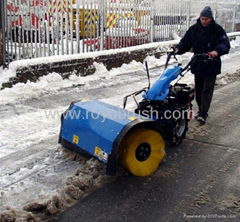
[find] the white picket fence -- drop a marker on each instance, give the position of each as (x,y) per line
(40,28)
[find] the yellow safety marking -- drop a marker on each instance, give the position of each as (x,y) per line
(85,100)
(58,5)
(111,19)
(90,17)
(132,118)
(75,139)
(97,151)
(100,153)
(127,15)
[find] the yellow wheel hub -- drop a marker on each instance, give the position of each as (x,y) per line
(142,150)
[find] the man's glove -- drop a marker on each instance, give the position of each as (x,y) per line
(213,54)
(175,49)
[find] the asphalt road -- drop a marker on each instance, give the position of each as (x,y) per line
(199,181)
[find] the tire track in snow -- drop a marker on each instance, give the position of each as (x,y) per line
(103,89)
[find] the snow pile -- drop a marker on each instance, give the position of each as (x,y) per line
(32,126)
(153,62)
(45,85)
(11,215)
(235,43)
(22,138)
(87,178)
(6,74)
(11,72)
(125,68)
(53,82)
(229,78)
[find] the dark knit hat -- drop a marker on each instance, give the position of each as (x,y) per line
(207,12)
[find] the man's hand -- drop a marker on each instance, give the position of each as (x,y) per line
(213,54)
(174,49)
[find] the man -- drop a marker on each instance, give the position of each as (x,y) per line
(205,37)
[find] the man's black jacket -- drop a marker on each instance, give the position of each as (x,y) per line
(203,40)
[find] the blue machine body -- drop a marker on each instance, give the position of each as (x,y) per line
(94,126)
(160,89)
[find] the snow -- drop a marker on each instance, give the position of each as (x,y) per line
(30,120)
(236,42)
(26,133)
(11,71)
(51,84)
(5,74)
(46,85)
(59,58)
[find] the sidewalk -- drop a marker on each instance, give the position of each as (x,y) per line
(199,180)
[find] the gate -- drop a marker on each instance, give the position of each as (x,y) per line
(41,28)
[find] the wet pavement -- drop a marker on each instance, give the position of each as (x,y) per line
(198,181)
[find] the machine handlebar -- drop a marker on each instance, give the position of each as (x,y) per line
(170,53)
(201,56)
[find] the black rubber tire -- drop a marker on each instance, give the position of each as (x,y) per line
(179,132)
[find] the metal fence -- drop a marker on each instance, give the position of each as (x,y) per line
(40,28)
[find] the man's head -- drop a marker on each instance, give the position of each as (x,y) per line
(206,16)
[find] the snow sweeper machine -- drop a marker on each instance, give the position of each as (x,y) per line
(136,140)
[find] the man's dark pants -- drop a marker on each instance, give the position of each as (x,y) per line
(204,87)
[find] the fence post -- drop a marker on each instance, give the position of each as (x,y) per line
(234,17)
(1,32)
(102,22)
(151,21)
(188,14)
(215,9)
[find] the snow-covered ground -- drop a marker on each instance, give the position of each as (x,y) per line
(32,164)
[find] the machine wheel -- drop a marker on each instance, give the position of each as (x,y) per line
(142,150)
(179,132)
